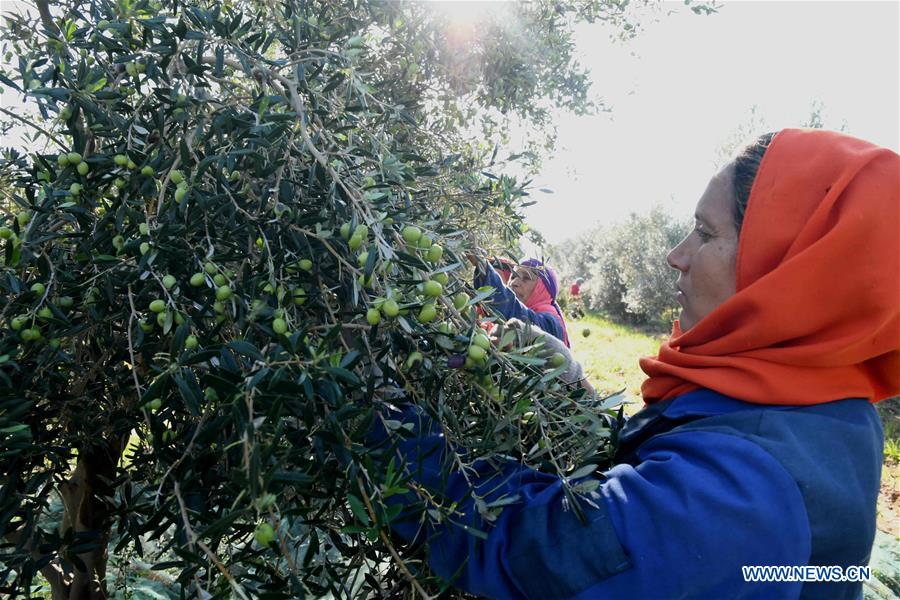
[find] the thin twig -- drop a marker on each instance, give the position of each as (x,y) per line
(387,542)
(192,540)
(60,143)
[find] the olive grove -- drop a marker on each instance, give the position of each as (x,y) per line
(234,230)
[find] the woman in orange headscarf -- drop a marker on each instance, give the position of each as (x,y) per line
(759,446)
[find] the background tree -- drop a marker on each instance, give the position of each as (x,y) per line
(624,266)
(236,230)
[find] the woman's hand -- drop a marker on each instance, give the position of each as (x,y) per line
(473,259)
(527,333)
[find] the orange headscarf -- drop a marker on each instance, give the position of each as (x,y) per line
(816,316)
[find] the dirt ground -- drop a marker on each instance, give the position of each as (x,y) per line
(889,498)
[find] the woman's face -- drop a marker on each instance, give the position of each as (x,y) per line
(522,282)
(706,257)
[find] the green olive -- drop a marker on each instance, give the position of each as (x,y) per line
(557,360)
(279,326)
(264,534)
(223,292)
(427,313)
(481,340)
(432,288)
(414,359)
(390,308)
(411,234)
(434,253)
(442,278)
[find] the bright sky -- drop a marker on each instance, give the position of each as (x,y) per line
(691,84)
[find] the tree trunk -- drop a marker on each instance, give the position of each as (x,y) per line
(88,497)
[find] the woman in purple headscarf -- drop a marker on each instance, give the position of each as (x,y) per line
(530,297)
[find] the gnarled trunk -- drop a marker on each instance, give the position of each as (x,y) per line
(88,498)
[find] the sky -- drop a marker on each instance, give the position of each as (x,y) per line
(687,84)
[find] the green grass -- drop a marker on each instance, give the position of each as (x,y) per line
(610,355)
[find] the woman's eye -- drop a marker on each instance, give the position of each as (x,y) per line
(704,236)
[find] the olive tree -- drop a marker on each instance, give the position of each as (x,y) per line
(624,266)
(237,229)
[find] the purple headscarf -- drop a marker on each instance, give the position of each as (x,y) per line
(548,278)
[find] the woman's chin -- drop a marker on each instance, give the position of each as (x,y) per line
(684,322)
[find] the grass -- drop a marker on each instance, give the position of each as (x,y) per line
(610,355)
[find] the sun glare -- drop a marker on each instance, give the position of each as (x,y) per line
(468,14)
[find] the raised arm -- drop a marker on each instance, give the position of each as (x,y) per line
(505,302)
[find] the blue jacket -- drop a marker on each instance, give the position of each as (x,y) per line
(505,302)
(704,485)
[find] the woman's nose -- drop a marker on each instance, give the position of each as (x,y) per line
(678,257)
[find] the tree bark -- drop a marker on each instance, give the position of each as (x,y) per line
(88,498)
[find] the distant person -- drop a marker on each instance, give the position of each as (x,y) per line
(758,445)
(529,297)
(575,290)
(576,302)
